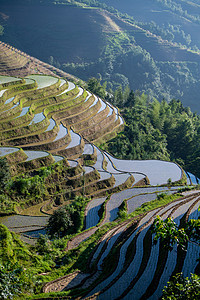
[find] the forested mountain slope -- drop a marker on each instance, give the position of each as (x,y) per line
(177,19)
(158,130)
(161,60)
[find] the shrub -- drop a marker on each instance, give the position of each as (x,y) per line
(161,196)
(4,173)
(10,283)
(59,222)
(68,219)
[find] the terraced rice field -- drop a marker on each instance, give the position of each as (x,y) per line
(59,122)
(57,158)
(7,150)
(193,179)
(72,163)
(158,172)
(45,131)
(138,200)
(103,106)
(88,149)
(9,100)
(7,79)
(35,154)
(43,81)
(75,140)
(135,279)
(51,125)
(95,102)
(20,223)
(23,112)
(92,217)
(88,169)
(71,86)
(61,133)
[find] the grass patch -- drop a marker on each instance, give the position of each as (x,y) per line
(148,206)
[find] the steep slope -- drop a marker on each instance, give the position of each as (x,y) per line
(125,263)
(43,115)
(164,15)
(14,62)
(50,129)
(110,46)
(50,122)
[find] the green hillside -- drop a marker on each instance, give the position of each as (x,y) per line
(177,19)
(121,51)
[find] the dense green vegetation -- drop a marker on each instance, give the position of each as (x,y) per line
(128,53)
(182,288)
(30,188)
(23,190)
(125,62)
(4,173)
(178,8)
(153,130)
(19,265)
(159,131)
(170,234)
(176,20)
(68,219)
(23,266)
(168,31)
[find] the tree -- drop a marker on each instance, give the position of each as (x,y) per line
(193,230)
(119,96)
(95,86)
(182,288)
(59,222)
(155,113)
(169,233)
(42,244)
(131,99)
(68,219)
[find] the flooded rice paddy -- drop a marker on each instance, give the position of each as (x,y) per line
(7,150)
(35,154)
(75,140)
(43,81)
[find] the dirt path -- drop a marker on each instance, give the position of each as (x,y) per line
(80,238)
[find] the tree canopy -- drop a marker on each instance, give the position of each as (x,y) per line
(67,219)
(59,222)
(182,288)
(158,130)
